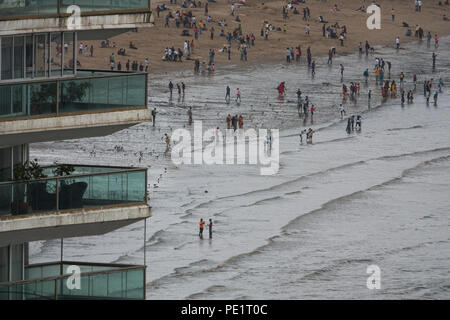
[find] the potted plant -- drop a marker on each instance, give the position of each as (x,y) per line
(63,169)
(26,193)
(73,93)
(43,96)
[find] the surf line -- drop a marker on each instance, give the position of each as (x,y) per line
(193,310)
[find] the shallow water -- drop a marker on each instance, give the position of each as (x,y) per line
(335,207)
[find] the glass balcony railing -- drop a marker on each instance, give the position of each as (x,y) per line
(97,281)
(79,94)
(16,8)
(86,187)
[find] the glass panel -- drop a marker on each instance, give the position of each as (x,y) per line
(27,7)
(7,57)
(16,262)
(68,52)
(42,98)
(35,7)
(19,100)
(5,164)
(135,180)
(29,56)
(135,282)
(41,56)
(56,48)
(5,101)
(6,194)
(99,285)
(117,284)
(19,55)
(41,196)
(136,90)
(105,5)
(4,265)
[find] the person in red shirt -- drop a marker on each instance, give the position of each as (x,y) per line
(210,225)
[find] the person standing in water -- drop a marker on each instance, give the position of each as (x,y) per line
(349,126)
(358,123)
(154,116)
(170,88)
(202,226)
(436,94)
(210,225)
(167,140)
(341,111)
(227,95)
(309,135)
(190,115)
(238,95)
(229,121)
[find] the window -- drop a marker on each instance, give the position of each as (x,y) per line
(19,57)
(7,58)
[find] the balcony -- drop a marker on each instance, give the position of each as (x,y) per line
(97,281)
(91,93)
(92,200)
(87,187)
(21,8)
(53,106)
(18,16)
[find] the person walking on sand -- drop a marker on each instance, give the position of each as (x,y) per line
(397,42)
(201,227)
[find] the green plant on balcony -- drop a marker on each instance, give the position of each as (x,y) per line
(63,169)
(42,97)
(28,193)
(74,92)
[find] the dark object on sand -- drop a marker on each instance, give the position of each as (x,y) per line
(185,33)
(405,25)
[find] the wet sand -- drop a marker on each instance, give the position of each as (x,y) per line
(345,202)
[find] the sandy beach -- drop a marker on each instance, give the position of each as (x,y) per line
(152,41)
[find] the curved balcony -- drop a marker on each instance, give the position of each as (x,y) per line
(48,281)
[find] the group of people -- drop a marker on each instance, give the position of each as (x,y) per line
(308,134)
(354,124)
(172,54)
(202,227)
(181,87)
(235,122)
